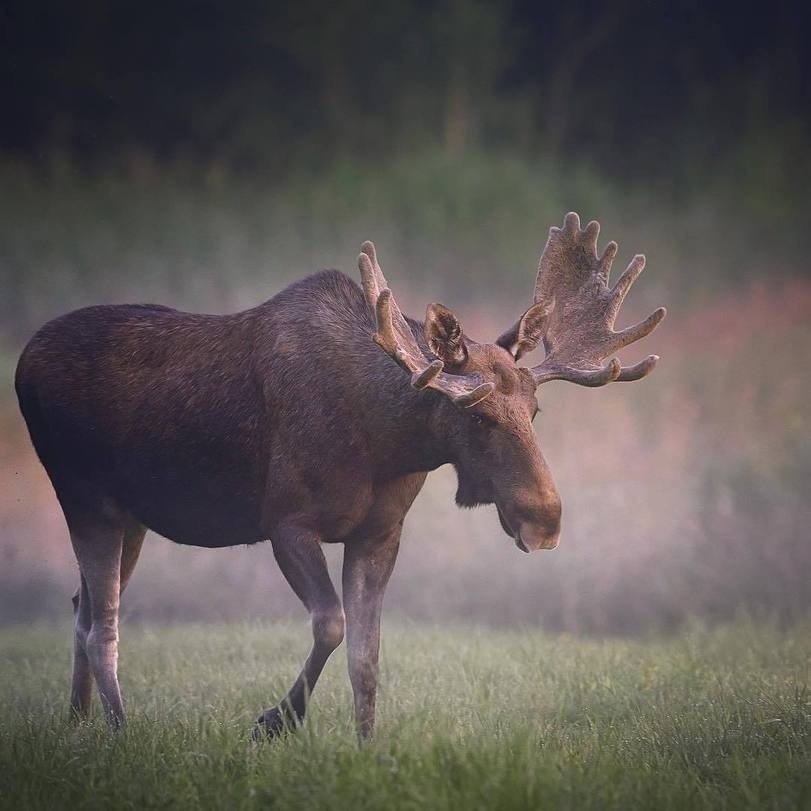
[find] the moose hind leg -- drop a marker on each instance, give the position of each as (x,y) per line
(303,564)
(98,548)
(130,551)
(82,685)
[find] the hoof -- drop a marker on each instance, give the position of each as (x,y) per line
(273,723)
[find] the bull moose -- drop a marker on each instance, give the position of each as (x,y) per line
(312,418)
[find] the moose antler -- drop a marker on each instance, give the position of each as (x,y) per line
(395,337)
(581,309)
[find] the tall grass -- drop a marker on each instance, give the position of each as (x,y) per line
(467,719)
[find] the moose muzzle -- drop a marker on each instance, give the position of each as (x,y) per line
(534,528)
(534,536)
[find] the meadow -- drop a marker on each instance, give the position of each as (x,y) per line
(612,673)
(468,718)
(660,657)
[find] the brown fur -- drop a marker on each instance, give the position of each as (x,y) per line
(283,422)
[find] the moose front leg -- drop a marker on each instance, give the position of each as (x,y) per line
(302,562)
(367,567)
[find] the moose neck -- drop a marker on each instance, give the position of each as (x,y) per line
(405,425)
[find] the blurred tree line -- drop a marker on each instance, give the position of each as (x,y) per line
(169,142)
(638,88)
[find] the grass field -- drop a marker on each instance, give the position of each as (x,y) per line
(467,719)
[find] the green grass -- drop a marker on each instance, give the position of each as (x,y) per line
(467,719)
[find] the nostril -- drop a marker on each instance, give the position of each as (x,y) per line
(533,521)
(536,536)
(539,528)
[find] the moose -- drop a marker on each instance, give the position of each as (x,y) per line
(312,418)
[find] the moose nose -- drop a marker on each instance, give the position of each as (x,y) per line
(541,530)
(531,537)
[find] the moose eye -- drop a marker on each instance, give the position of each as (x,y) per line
(482,421)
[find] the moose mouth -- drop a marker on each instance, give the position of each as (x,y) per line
(541,533)
(514,534)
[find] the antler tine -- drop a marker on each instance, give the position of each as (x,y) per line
(367,259)
(590,234)
(375,285)
(571,222)
(579,333)
(598,377)
(623,285)
(638,331)
(638,370)
(395,337)
(374,282)
(607,260)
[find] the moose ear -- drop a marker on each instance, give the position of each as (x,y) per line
(527,332)
(443,332)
